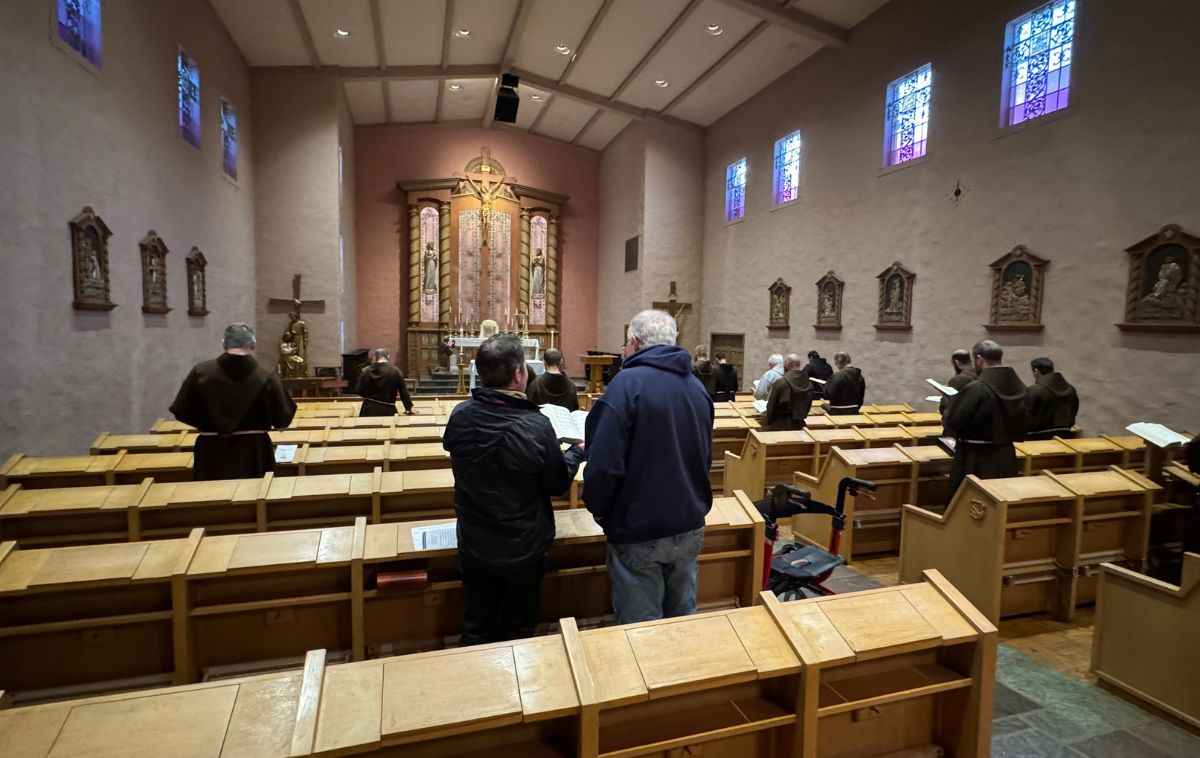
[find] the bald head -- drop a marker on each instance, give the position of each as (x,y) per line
(791,362)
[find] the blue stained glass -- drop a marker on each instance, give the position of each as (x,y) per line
(787,168)
(1037,62)
(735,191)
(906,119)
(79,27)
(229,148)
(189,99)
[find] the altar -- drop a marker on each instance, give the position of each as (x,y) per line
(533,347)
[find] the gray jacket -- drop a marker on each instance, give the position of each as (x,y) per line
(763,390)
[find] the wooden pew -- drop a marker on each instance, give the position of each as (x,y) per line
(1031,544)
(873,672)
(326,437)
(1145,638)
(78,616)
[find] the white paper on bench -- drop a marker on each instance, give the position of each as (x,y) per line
(285,453)
(437,537)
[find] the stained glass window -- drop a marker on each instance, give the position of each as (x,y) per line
(787,168)
(79,27)
(735,191)
(189,99)
(1037,62)
(906,130)
(229,138)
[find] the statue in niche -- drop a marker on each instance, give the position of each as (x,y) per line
(293,348)
(1018,281)
(895,298)
(1014,300)
(537,275)
(1163,293)
(827,307)
(430,262)
(89,252)
(779,305)
(829,302)
(197,287)
(154,274)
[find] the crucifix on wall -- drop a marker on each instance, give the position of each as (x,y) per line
(487,184)
(672,306)
(293,345)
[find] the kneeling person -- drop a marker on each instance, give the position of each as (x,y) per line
(846,389)
(379,384)
(507,465)
(554,387)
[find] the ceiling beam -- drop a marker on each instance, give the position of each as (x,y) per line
(515,30)
(663,40)
(587,37)
(714,68)
(447,30)
(377,30)
(578,95)
(793,19)
(579,134)
(409,73)
(538,118)
(305,32)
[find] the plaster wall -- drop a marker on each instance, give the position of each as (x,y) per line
(72,136)
(346,272)
(622,201)
(387,154)
(1078,189)
(297,208)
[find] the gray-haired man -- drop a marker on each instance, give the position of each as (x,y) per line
(233,402)
(762,390)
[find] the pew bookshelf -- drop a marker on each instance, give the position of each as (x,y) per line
(857,676)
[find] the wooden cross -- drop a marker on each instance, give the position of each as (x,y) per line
(488,184)
(296,303)
(672,306)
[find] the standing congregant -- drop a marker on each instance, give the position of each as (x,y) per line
(791,398)
(649,448)
(379,384)
(725,380)
(964,374)
(986,418)
(703,370)
(818,368)
(507,465)
(1053,404)
(846,389)
(233,402)
(553,386)
(762,390)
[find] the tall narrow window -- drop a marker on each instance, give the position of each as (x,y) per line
(79,27)
(1037,62)
(189,99)
(735,191)
(787,168)
(906,129)
(228,138)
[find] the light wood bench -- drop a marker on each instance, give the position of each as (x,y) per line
(1145,638)
(327,437)
(1031,544)
(77,616)
(875,672)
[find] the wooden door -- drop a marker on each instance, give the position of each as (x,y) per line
(734,347)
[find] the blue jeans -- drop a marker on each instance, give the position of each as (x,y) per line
(655,579)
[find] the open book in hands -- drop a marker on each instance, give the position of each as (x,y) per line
(947,391)
(568,425)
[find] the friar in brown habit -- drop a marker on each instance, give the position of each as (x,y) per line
(379,384)
(233,402)
(790,399)
(554,387)
(986,418)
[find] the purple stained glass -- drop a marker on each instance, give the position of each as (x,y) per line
(787,168)
(1037,62)
(189,99)
(229,148)
(79,27)
(735,191)
(906,131)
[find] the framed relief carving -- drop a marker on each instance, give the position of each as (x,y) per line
(1164,283)
(197,286)
(89,261)
(1018,283)
(780,305)
(154,274)
(829,302)
(895,298)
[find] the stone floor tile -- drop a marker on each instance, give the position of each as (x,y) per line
(1031,744)
(1119,744)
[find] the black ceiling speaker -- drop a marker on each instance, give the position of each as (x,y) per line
(507,99)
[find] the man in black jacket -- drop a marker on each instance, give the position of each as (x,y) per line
(725,380)
(846,389)
(1053,403)
(507,465)
(554,387)
(986,418)
(379,384)
(818,368)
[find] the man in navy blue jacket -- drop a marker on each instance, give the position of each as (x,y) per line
(649,448)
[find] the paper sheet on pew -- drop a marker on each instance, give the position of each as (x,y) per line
(438,537)
(1157,434)
(947,391)
(760,406)
(568,425)
(285,453)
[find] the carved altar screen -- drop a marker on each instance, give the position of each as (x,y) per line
(539,236)
(430,235)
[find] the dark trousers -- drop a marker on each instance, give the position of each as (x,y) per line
(984,461)
(500,603)
(237,456)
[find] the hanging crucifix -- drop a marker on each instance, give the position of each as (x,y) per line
(672,306)
(487,185)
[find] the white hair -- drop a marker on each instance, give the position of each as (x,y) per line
(774,360)
(653,328)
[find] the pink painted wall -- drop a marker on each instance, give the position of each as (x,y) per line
(387,154)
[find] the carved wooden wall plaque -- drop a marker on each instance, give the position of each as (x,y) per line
(1164,283)
(829,302)
(779,307)
(89,261)
(154,274)
(1018,284)
(895,298)
(197,286)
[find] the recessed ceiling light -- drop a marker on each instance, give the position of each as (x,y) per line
(462,33)
(455,86)
(562,49)
(714,29)
(342,33)
(536,97)
(660,82)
